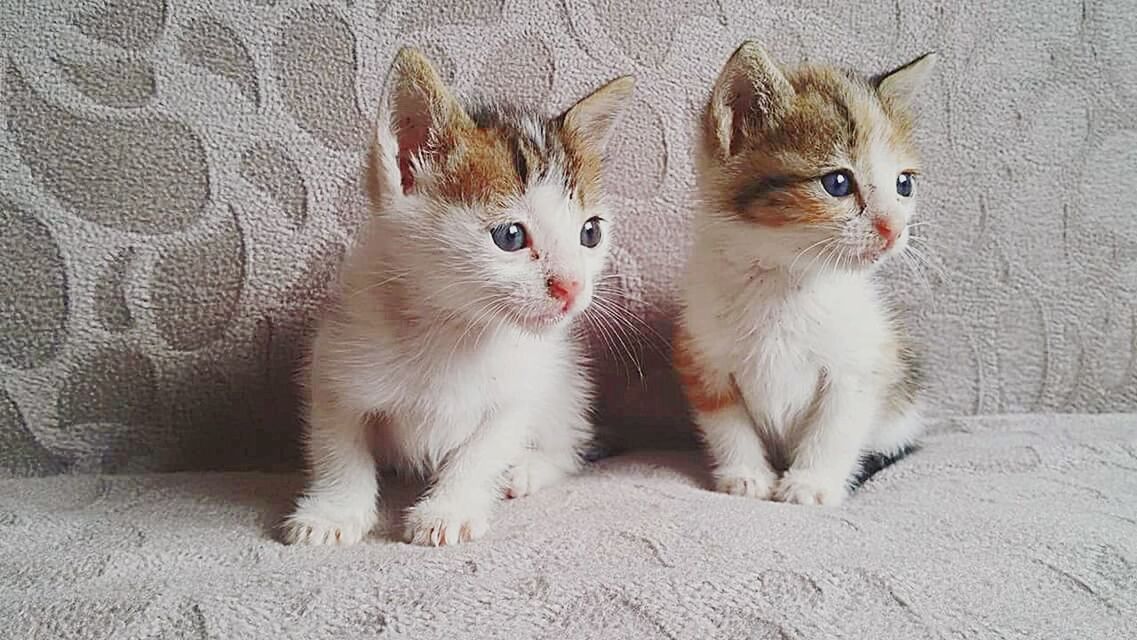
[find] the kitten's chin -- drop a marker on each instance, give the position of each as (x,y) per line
(850,263)
(877,257)
(870,259)
(542,323)
(866,261)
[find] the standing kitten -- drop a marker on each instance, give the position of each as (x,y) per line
(449,350)
(788,352)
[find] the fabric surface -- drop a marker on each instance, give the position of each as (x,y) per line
(1020,527)
(179,178)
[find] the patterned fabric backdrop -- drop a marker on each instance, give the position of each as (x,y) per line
(180,179)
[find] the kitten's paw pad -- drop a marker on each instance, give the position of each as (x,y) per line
(307,526)
(806,488)
(435,524)
(746,483)
(531,474)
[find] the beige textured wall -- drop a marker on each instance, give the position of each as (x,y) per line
(178,177)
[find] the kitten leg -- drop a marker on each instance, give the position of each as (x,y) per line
(458,505)
(897,432)
(738,456)
(893,438)
(557,441)
(536,469)
(339,503)
(740,464)
(829,450)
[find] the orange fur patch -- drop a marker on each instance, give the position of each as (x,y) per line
(477,167)
(797,205)
(702,396)
(535,163)
(584,166)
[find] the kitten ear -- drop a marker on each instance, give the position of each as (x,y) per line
(591,118)
(750,89)
(902,84)
(416,107)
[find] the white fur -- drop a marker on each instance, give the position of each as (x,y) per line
(793,317)
(438,355)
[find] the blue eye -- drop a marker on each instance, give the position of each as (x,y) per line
(509,237)
(904,184)
(838,184)
(590,233)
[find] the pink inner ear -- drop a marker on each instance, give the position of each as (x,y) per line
(742,107)
(412,138)
(405,175)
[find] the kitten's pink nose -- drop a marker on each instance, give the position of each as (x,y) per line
(886,231)
(563,290)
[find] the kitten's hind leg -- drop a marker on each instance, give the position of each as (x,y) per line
(557,445)
(893,440)
(339,503)
(873,463)
(537,469)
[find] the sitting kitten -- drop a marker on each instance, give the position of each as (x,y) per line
(787,350)
(449,350)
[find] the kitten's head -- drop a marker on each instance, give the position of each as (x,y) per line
(818,164)
(492,212)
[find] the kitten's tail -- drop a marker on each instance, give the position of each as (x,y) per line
(873,463)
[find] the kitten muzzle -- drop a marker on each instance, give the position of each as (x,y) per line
(564,291)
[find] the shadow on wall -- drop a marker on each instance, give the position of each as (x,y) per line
(639,401)
(232,403)
(241,408)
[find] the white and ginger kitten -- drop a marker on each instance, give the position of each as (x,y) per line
(448,351)
(796,369)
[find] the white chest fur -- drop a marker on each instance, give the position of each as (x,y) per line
(782,339)
(437,391)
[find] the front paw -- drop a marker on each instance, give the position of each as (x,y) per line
(747,483)
(805,487)
(437,522)
(318,524)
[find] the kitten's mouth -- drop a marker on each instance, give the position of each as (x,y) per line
(540,322)
(875,256)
